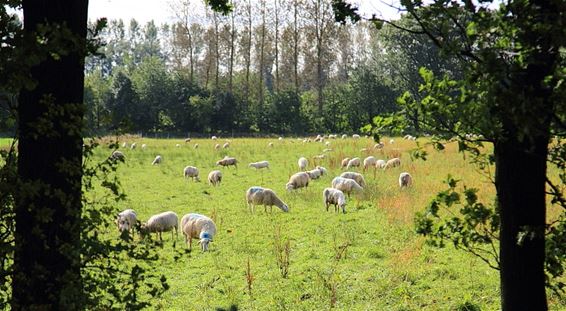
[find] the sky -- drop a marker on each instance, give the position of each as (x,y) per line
(160,10)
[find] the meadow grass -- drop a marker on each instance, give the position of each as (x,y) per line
(369,258)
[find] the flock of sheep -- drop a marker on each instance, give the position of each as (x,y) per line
(203,228)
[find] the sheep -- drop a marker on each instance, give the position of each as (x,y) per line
(191,172)
(226,145)
(356,136)
(327,144)
(177,145)
(392,163)
(336,197)
(166,221)
(280,138)
(379,145)
(133,146)
(327,150)
(270,145)
(344,162)
(195,146)
(198,226)
(405,180)
(217,146)
(298,180)
(157,160)
(332,136)
(126,220)
(319,157)
(322,170)
(227,161)
(303,163)
(187,140)
(364,150)
(391,141)
(344,136)
(214,137)
(259,165)
(359,178)
(118,155)
(346,185)
(314,174)
(369,161)
(380,163)
(215,177)
(124,145)
(354,162)
(143,146)
(264,196)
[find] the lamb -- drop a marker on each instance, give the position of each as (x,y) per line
(118,155)
(344,162)
(227,161)
(215,177)
(380,163)
(359,178)
(336,197)
(298,180)
(356,136)
(344,136)
(327,143)
(191,172)
(126,220)
(319,157)
(303,163)
(259,165)
(187,140)
(322,170)
(369,161)
(314,174)
(133,146)
(177,145)
(391,141)
(157,160)
(166,221)
(226,145)
(198,226)
(280,138)
(405,180)
(264,196)
(124,145)
(346,185)
(392,163)
(354,162)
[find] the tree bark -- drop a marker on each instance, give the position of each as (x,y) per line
(48,207)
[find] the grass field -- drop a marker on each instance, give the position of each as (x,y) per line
(367,259)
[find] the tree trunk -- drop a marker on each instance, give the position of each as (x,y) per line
(232,42)
(520,181)
(48,207)
(296,45)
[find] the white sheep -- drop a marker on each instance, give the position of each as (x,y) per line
(322,170)
(391,141)
(405,180)
(195,146)
(214,137)
(118,155)
(187,140)
(359,178)
(327,144)
(344,136)
(143,146)
(314,174)
(344,162)
(226,145)
(392,163)
(177,145)
(380,163)
(298,180)
(369,162)
(215,177)
(280,138)
(346,185)
(217,146)
(335,197)
(227,161)
(264,196)
(356,136)
(191,172)
(166,221)
(270,145)
(319,157)
(124,145)
(303,163)
(379,145)
(157,160)
(259,165)
(327,150)
(133,146)
(200,227)
(354,162)
(126,220)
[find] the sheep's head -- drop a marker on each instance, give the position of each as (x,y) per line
(123,224)
(284,208)
(289,186)
(143,229)
(205,239)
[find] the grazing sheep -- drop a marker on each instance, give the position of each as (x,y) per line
(303,163)
(214,137)
(187,140)
(335,197)
(259,165)
(200,227)
(314,174)
(143,146)
(319,157)
(217,146)
(226,145)
(380,164)
(369,162)
(379,145)
(191,172)
(215,177)
(354,162)
(280,138)
(264,196)
(133,146)
(124,145)
(405,180)
(195,146)
(346,185)
(327,143)
(166,221)
(344,136)
(270,145)
(322,170)
(359,178)
(356,136)
(157,160)
(298,180)
(344,162)
(392,163)
(126,220)
(177,145)
(332,136)
(391,141)
(228,161)
(118,155)
(327,150)
(364,150)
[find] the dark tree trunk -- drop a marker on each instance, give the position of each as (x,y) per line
(48,207)
(520,181)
